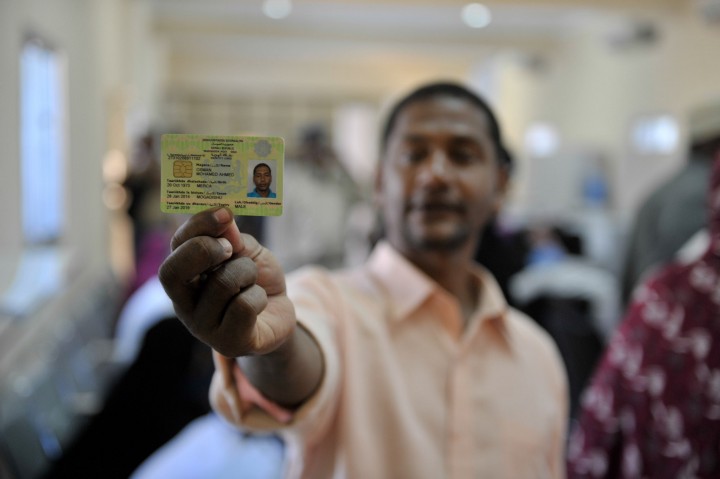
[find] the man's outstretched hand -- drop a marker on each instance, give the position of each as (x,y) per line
(226,288)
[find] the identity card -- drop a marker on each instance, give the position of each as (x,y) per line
(244,173)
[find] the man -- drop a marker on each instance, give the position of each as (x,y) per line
(262,178)
(411,366)
(653,407)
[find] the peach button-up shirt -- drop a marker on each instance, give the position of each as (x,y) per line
(408,391)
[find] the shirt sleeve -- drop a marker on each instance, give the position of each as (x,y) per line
(557,461)
(234,397)
(596,442)
(236,400)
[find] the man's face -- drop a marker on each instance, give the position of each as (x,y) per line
(262,179)
(439,180)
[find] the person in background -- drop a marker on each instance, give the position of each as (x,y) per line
(310,230)
(674,211)
(319,197)
(653,407)
(503,249)
(155,356)
(151,229)
(412,365)
(143,187)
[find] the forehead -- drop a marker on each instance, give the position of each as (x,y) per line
(262,169)
(442,115)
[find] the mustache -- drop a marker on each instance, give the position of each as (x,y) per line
(436,204)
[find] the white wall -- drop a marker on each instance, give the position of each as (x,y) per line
(592,91)
(74,28)
(120,72)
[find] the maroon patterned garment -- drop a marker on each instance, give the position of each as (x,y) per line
(653,407)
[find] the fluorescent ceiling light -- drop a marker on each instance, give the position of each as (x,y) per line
(277,9)
(476,15)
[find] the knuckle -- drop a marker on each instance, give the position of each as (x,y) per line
(175,242)
(224,279)
(200,247)
(201,250)
(248,269)
(248,304)
(167,272)
(233,276)
(236,336)
(199,224)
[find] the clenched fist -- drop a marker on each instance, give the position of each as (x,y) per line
(226,288)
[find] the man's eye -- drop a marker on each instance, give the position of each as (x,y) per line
(465,156)
(414,155)
(462,156)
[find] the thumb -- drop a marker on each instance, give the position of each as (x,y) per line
(231,232)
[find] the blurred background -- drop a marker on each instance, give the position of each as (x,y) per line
(599,101)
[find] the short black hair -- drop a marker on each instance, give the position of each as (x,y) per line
(262,164)
(455,90)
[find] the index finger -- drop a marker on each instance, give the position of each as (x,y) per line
(179,273)
(217,222)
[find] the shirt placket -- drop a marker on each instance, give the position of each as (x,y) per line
(472,425)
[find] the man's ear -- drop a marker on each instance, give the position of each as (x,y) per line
(378,185)
(501,188)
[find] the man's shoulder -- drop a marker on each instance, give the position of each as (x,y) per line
(338,280)
(530,338)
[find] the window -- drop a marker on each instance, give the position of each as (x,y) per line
(541,140)
(42,142)
(655,135)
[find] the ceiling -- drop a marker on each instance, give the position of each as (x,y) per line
(366,48)
(226,60)
(225,44)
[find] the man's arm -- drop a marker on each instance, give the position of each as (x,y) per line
(229,291)
(289,375)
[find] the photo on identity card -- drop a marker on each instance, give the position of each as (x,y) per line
(261,174)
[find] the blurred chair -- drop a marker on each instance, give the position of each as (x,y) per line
(578,305)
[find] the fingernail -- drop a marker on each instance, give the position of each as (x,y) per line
(227,247)
(222,215)
(284,417)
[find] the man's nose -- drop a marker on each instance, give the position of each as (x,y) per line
(437,167)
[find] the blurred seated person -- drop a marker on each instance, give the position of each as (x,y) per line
(653,407)
(503,251)
(310,230)
(219,450)
(556,266)
(506,250)
(152,230)
(143,187)
(138,416)
(571,297)
(161,359)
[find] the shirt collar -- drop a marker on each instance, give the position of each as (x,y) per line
(408,287)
